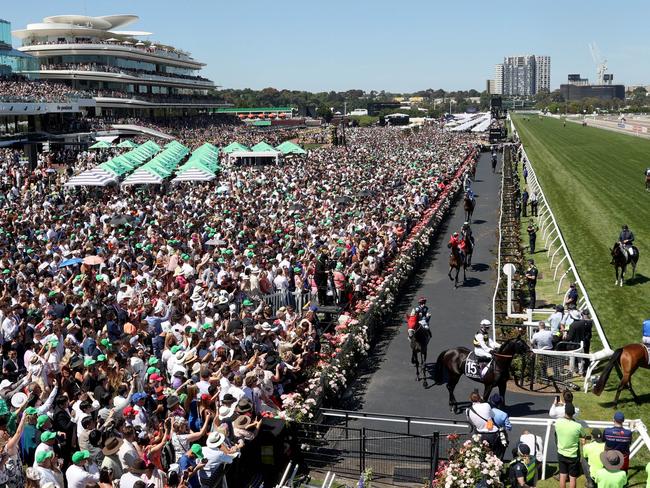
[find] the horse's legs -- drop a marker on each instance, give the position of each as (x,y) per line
(502,392)
(452,381)
(449,274)
(487,389)
(464,272)
(634,395)
(457,273)
(423,357)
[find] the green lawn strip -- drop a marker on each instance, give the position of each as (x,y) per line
(546,287)
(593,181)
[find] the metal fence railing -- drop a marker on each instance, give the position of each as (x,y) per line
(398,457)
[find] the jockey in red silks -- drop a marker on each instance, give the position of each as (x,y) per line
(458,242)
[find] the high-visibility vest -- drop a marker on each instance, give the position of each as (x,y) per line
(531,470)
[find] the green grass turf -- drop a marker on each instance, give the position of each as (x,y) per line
(593,179)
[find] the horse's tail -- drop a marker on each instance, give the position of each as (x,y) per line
(438,374)
(602,381)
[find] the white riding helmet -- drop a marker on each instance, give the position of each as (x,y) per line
(485,322)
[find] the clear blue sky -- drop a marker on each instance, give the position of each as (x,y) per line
(396,46)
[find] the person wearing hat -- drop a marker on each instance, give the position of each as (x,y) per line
(111,460)
(591,452)
(216,454)
(30,437)
(532,236)
(77,475)
(531,282)
(569,435)
(48,469)
(11,466)
(245,428)
(501,420)
(522,470)
(190,463)
(48,443)
(612,474)
(619,438)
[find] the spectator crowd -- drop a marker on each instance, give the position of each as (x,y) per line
(139,344)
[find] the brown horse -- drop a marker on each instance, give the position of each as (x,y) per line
(647,182)
(627,360)
(468,205)
(456,261)
(450,368)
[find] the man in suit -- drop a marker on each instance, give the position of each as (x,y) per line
(580,331)
(10,367)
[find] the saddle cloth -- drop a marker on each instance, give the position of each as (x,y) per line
(473,367)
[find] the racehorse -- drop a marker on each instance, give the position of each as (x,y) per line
(494,163)
(419,339)
(450,367)
(620,260)
(468,205)
(647,181)
(628,359)
(456,262)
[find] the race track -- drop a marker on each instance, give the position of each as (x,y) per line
(387,384)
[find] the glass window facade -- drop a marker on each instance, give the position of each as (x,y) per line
(5,32)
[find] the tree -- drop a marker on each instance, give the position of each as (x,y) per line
(324,112)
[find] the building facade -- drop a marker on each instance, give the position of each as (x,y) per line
(498,79)
(522,76)
(12,60)
(519,76)
(542,73)
(123,71)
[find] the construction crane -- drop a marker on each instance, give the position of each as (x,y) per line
(601,63)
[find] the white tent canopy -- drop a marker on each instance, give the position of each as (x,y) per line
(194,174)
(93,177)
(143,177)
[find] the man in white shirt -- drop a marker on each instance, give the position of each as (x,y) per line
(543,338)
(131,477)
(77,474)
(214,458)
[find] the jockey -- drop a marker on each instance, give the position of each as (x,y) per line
(458,242)
(466,232)
(422,312)
(467,181)
(626,238)
(470,193)
(646,332)
(483,345)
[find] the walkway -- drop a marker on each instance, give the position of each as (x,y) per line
(388,383)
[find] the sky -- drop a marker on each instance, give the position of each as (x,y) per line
(397,46)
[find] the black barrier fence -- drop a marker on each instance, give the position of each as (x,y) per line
(390,456)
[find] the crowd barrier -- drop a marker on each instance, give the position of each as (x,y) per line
(558,252)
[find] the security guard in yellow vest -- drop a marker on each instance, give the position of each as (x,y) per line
(522,470)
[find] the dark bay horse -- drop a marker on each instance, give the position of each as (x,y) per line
(450,367)
(468,205)
(628,358)
(456,262)
(621,259)
(419,339)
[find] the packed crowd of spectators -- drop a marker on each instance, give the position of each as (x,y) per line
(137,341)
(105,68)
(18,89)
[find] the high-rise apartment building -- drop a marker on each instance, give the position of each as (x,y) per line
(542,73)
(498,79)
(522,75)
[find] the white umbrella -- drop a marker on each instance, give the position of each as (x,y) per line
(140,43)
(194,174)
(127,43)
(143,178)
(112,39)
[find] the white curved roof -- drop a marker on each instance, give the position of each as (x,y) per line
(103,23)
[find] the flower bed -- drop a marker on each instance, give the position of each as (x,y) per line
(351,340)
(469,464)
